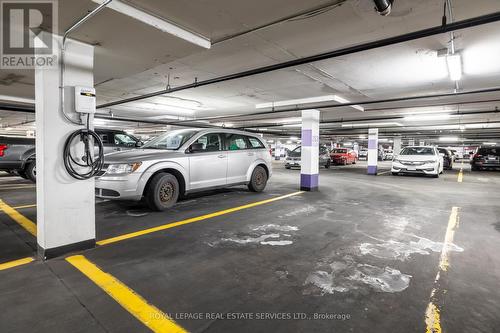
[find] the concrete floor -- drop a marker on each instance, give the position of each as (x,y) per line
(365,248)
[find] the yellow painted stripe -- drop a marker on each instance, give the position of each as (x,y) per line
(148,314)
(24,206)
(192,220)
(433,319)
(15,263)
(19,218)
(444,261)
(460,176)
(432,313)
(16,187)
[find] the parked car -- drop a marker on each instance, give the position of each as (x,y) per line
(343,156)
(363,154)
(185,161)
(294,157)
(423,160)
(17,155)
(388,154)
(447,158)
(486,158)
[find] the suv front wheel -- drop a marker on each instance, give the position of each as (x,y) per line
(259,180)
(162,192)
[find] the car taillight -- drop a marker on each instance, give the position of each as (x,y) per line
(2,149)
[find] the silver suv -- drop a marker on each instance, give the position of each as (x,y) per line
(185,161)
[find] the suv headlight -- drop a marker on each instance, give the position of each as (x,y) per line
(122,168)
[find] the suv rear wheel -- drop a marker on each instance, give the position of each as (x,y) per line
(30,171)
(162,192)
(258,181)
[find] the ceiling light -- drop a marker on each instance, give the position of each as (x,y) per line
(454,62)
(449,139)
(8,128)
(489,143)
(289,141)
(294,138)
(270,141)
(293,125)
(341,100)
(427,117)
(372,124)
(159,23)
(129,131)
(309,100)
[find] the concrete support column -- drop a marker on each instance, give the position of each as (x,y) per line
(65,206)
(397,145)
(309,170)
(372,151)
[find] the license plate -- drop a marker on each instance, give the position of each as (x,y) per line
(412,168)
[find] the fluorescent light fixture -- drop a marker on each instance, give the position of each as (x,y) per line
(270,141)
(342,100)
(309,100)
(347,144)
(289,141)
(454,62)
(371,124)
(159,23)
(427,117)
(293,125)
(489,143)
(362,137)
(129,131)
(449,139)
(383,140)
(16,99)
(294,138)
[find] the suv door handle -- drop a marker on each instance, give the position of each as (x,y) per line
(221,156)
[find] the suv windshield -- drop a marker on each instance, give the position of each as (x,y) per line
(489,151)
(295,152)
(417,151)
(171,140)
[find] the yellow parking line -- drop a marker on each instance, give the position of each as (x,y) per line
(19,218)
(460,176)
(148,314)
(24,206)
(15,263)
(383,172)
(16,187)
(433,313)
(192,220)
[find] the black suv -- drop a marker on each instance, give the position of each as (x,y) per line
(486,158)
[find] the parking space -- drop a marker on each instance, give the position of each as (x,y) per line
(360,249)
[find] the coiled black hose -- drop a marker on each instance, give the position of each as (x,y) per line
(89,166)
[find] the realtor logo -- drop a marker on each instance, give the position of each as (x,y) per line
(26,32)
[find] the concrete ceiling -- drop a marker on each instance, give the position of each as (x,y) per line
(133,58)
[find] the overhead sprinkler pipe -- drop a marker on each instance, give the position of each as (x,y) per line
(383,7)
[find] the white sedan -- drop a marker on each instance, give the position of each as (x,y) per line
(424,160)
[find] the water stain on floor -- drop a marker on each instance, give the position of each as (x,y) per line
(267,234)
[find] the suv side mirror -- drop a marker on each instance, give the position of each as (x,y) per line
(139,144)
(195,147)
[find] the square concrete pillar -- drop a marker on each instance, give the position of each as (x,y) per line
(372,151)
(309,170)
(65,206)
(397,145)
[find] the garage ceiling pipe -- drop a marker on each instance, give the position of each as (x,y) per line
(472,22)
(339,105)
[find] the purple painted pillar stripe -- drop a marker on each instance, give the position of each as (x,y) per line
(372,169)
(372,144)
(309,181)
(306,137)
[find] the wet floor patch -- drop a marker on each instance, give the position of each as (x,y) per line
(266,234)
(398,250)
(347,274)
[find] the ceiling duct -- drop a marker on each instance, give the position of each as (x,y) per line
(383,7)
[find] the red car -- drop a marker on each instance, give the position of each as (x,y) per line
(343,156)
